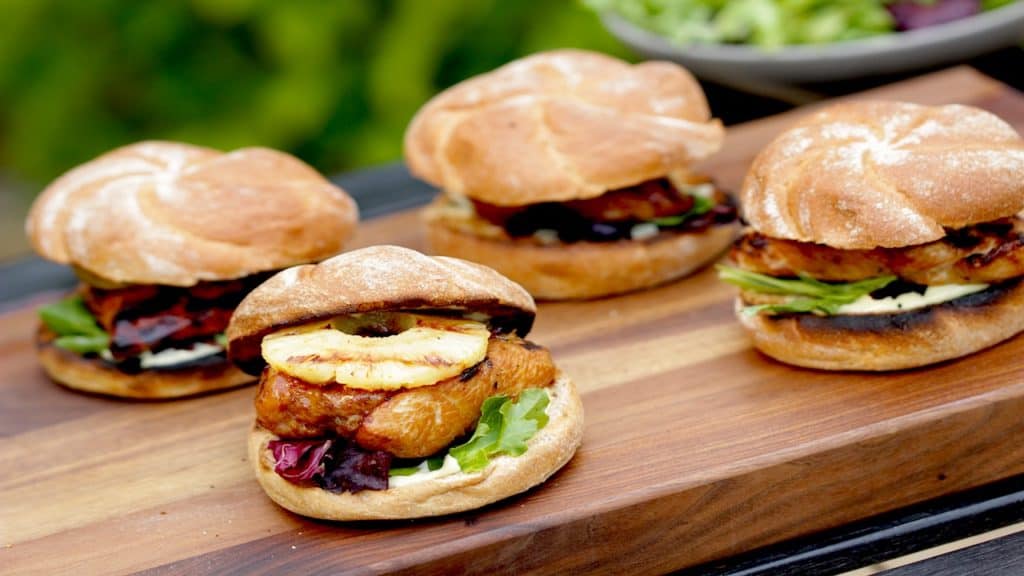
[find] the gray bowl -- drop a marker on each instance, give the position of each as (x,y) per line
(737,64)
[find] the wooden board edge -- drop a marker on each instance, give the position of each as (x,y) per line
(745,513)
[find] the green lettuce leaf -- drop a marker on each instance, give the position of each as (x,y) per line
(521,420)
(475,453)
(701,205)
(83,344)
(75,326)
(70,317)
(504,428)
(808,295)
(433,463)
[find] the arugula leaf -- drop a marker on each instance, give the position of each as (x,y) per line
(504,428)
(701,205)
(75,326)
(809,295)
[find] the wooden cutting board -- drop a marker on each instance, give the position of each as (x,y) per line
(696,446)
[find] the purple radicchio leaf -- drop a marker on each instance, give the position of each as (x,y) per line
(299,460)
(910,15)
(349,468)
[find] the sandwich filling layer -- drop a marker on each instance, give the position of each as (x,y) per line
(786,277)
(400,421)
(981,254)
(150,327)
(637,213)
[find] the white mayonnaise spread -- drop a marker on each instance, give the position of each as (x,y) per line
(910,300)
(643,231)
(706,190)
(448,467)
(546,236)
(173,356)
(477,317)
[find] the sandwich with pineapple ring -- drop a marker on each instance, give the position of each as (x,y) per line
(396,385)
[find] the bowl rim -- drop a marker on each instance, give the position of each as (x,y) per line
(1006,16)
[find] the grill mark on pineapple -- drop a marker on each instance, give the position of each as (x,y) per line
(431,359)
(435,360)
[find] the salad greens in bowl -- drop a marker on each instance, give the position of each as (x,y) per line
(798,41)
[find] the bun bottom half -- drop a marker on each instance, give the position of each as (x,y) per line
(96,376)
(877,342)
(587,269)
(549,449)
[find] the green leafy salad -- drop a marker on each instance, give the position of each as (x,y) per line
(504,428)
(75,326)
(806,295)
(776,23)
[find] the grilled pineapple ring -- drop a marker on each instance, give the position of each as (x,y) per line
(378,351)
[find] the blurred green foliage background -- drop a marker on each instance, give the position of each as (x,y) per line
(334,82)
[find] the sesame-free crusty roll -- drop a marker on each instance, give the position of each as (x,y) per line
(167,238)
(176,214)
(863,175)
(883,236)
(573,173)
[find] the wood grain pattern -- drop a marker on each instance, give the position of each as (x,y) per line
(696,446)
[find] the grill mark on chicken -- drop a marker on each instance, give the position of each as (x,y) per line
(987,253)
(472,371)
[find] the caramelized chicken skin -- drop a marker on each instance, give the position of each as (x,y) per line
(292,408)
(408,423)
(984,253)
(647,200)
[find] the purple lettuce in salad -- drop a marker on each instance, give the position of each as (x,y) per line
(913,15)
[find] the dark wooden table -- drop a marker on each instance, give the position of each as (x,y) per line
(856,544)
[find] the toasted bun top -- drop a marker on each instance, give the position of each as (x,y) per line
(169,213)
(561,125)
(373,279)
(885,174)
